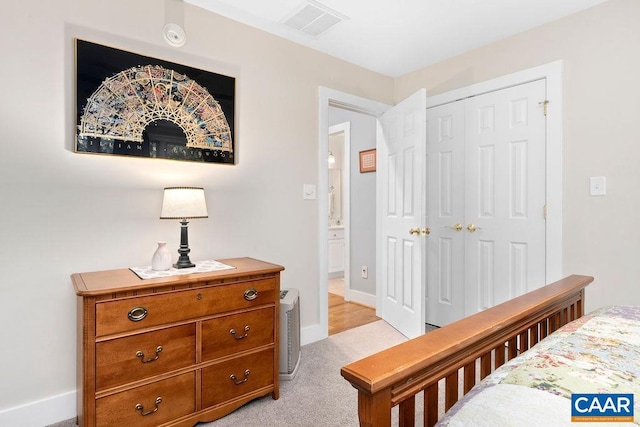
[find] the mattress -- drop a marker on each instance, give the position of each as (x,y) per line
(598,353)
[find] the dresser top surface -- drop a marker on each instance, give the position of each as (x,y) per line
(101,282)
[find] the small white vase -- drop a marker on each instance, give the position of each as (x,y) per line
(161,258)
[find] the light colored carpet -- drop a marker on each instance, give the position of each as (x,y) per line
(318,395)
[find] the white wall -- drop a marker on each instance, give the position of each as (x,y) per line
(599,50)
(63,212)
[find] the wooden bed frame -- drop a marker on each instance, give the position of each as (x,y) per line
(459,355)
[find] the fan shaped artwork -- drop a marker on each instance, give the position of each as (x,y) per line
(157,109)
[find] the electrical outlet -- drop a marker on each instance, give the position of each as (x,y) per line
(364,272)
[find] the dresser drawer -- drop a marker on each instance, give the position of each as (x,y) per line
(336,233)
(232,334)
(135,357)
(176,397)
(251,372)
(151,310)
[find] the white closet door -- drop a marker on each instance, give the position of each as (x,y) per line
(485,201)
(445,213)
(505,195)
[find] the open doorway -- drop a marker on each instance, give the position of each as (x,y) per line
(343,313)
(358,210)
(338,198)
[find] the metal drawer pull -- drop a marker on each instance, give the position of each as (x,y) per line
(246,333)
(136,314)
(140,408)
(235,379)
(141,355)
(250,294)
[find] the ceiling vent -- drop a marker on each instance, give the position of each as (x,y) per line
(314,19)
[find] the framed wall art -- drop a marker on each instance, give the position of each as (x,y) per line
(133,105)
(368,161)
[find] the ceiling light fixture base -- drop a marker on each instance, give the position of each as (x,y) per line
(174,35)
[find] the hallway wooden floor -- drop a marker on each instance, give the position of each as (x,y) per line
(346,315)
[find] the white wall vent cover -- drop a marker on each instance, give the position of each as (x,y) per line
(314,19)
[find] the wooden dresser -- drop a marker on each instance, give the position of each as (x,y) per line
(177,350)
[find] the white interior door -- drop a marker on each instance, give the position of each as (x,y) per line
(505,194)
(486,178)
(400,182)
(445,213)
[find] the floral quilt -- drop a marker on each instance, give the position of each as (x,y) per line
(598,353)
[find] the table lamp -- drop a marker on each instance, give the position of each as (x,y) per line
(184,203)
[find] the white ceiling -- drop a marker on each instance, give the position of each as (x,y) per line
(397,37)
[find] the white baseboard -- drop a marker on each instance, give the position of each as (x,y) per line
(42,412)
(360,297)
(313,333)
(336,275)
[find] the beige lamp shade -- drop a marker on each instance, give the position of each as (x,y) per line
(183,203)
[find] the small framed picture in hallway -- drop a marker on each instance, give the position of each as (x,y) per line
(368,161)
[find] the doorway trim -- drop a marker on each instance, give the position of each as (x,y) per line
(553,73)
(329,97)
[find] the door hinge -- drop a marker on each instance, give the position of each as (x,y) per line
(544,211)
(544,103)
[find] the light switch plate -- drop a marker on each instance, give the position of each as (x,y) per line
(598,186)
(309,191)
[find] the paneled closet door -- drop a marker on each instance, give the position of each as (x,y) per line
(485,201)
(445,213)
(505,197)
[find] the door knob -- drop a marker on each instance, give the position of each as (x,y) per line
(456,227)
(414,230)
(472,228)
(426,231)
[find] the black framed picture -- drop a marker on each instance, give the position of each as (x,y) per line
(134,105)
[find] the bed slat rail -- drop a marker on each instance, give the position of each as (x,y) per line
(446,363)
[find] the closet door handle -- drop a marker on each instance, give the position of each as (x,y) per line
(457,227)
(472,228)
